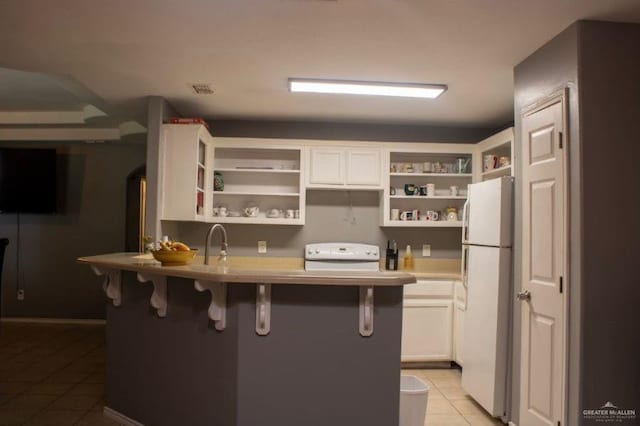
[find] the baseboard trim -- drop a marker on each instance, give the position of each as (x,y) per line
(120,418)
(68,321)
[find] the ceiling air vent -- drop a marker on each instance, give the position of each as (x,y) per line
(201,89)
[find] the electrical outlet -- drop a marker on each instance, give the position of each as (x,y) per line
(21,294)
(426,250)
(262,247)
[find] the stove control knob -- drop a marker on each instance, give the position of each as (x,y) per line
(310,251)
(317,251)
(368,252)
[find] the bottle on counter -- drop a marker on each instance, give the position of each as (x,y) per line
(407,259)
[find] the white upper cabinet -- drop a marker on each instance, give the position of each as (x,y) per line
(344,168)
(186,181)
(326,166)
(363,167)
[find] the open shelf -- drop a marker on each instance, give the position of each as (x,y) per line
(454,175)
(235,170)
(432,197)
(424,223)
(254,193)
(257,220)
(501,171)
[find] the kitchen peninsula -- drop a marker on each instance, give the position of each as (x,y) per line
(269,347)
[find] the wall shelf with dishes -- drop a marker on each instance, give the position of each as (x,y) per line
(494,156)
(257,186)
(426,189)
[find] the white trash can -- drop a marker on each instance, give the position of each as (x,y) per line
(413,401)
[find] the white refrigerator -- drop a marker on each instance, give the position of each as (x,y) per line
(487,277)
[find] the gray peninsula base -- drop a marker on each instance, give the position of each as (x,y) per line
(312,369)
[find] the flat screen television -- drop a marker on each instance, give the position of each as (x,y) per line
(28,180)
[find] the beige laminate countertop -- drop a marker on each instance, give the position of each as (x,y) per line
(238,273)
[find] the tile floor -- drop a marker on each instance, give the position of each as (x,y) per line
(53,375)
(448,403)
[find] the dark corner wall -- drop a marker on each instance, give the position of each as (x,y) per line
(90,220)
(598,62)
(609,73)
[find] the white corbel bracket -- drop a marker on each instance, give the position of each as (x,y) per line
(366,311)
(159,295)
(263,309)
(112,283)
(218,307)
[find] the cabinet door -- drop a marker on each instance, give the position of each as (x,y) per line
(458,333)
(363,167)
(326,166)
(427,330)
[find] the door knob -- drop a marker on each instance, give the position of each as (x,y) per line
(524,296)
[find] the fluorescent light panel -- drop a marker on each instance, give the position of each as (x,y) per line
(430,91)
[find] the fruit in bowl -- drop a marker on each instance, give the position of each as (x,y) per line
(174,253)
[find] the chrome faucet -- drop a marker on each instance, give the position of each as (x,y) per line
(222,258)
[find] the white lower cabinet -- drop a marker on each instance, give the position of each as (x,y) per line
(427,321)
(460,303)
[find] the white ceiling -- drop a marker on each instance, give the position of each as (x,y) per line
(124,50)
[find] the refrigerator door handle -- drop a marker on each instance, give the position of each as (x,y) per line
(465,222)
(465,273)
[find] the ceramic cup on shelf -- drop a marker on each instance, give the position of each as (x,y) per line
(296,214)
(423,190)
(409,189)
(395,214)
(274,213)
(290,214)
(454,190)
(504,161)
(223,211)
(427,167)
(490,162)
(251,210)
(431,189)
(406,215)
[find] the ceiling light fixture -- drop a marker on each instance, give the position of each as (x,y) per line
(408,90)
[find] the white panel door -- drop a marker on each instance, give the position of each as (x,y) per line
(486,326)
(489,213)
(327,166)
(542,346)
(363,167)
(427,330)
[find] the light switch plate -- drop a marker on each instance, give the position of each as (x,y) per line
(426,250)
(262,247)
(21,294)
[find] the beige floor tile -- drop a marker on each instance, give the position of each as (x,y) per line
(468,406)
(453,392)
(445,419)
(13,388)
(12,416)
(440,405)
(66,378)
(56,418)
(74,402)
(442,373)
(35,402)
(482,420)
(96,418)
(446,381)
(88,389)
(48,389)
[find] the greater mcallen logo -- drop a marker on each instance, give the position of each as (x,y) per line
(609,413)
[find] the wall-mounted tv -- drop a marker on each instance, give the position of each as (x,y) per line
(28,180)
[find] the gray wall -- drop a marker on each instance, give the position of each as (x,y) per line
(609,72)
(92,181)
(350,131)
(599,63)
(551,68)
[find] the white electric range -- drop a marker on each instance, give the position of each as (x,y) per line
(341,257)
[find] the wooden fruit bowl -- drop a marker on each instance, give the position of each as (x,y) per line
(174,258)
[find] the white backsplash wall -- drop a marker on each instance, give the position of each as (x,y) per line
(346,216)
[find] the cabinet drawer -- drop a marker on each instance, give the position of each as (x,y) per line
(429,289)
